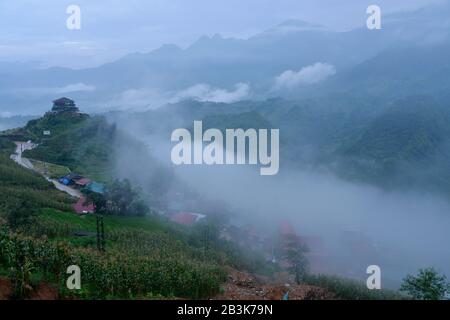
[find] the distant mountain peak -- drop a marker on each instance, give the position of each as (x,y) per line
(170,47)
(209,39)
(292,26)
(213,42)
(167,48)
(286,27)
(300,24)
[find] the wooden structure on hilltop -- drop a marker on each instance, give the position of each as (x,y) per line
(64,105)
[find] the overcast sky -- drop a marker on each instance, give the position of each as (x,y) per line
(36,30)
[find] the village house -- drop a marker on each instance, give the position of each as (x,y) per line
(83,182)
(70,179)
(83,207)
(286,229)
(95,187)
(187,218)
(80,182)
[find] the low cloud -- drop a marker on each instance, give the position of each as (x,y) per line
(308,75)
(5,114)
(75,87)
(204,92)
(151,98)
(140,98)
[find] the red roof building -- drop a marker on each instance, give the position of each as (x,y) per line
(287,229)
(81,207)
(83,182)
(186,218)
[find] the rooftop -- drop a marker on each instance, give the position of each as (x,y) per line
(83,182)
(187,218)
(64,105)
(82,207)
(64,101)
(96,187)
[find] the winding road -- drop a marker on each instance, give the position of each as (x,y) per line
(26,163)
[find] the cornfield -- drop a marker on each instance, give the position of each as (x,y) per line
(109,275)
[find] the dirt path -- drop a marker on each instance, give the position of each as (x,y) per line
(17,156)
(66,189)
(5,288)
(43,291)
(26,163)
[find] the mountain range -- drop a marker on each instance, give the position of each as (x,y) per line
(294,59)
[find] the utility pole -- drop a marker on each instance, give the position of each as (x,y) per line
(102,230)
(206,237)
(100,233)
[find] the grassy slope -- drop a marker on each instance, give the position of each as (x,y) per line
(81,143)
(112,223)
(18,184)
(54,171)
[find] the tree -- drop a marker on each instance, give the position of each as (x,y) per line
(98,200)
(427,285)
(120,198)
(20,213)
(294,253)
(138,208)
(120,195)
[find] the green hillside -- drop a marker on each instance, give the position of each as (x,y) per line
(79,142)
(405,146)
(244,121)
(411,130)
(18,184)
(146,257)
(399,72)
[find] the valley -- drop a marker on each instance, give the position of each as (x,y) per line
(187,151)
(145,241)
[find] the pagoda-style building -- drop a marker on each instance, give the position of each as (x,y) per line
(64,105)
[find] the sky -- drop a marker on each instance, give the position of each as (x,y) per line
(36,30)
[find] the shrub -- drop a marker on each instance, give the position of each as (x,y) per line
(427,285)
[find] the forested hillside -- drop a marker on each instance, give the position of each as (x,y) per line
(386,143)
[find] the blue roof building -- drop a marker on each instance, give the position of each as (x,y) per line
(96,187)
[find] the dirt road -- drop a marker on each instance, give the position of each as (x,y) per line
(17,156)
(66,189)
(24,162)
